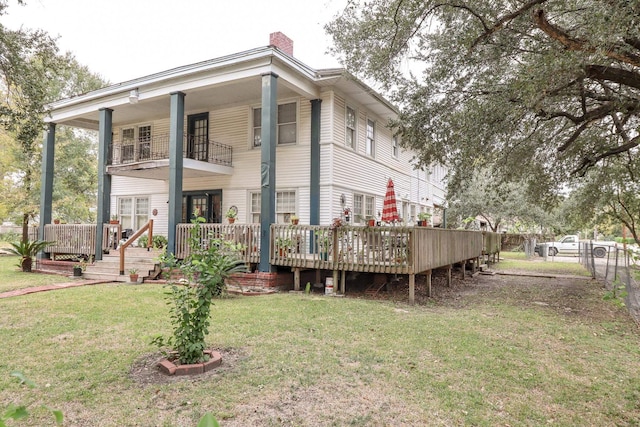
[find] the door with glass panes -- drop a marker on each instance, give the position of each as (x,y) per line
(198,136)
(207,204)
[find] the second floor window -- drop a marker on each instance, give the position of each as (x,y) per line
(350,137)
(287,128)
(371,138)
(394,147)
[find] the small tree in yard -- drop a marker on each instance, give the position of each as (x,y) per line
(205,270)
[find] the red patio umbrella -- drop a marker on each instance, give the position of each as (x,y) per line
(389,208)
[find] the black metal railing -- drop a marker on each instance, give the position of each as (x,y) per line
(157,148)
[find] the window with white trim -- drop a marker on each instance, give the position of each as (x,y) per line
(285,206)
(144,142)
(287,124)
(135,143)
(370,148)
(370,206)
(394,146)
(128,144)
(358,208)
(351,126)
(133,212)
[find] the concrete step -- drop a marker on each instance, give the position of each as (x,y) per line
(144,269)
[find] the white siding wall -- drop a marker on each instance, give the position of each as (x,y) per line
(343,170)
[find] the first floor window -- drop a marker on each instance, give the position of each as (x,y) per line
(358,208)
(370,206)
(285,206)
(133,212)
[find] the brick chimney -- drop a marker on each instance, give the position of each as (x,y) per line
(282,42)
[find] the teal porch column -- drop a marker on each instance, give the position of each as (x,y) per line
(314,168)
(268,166)
(314,183)
(105,130)
(46,188)
(176,143)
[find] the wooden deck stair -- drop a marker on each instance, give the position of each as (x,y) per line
(146,262)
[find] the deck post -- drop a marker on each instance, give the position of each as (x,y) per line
(429,274)
(449,268)
(318,276)
(412,289)
(46,189)
(335,280)
(296,279)
(463,264)
(176,143)
(105,129)
(343,282)
(268,166)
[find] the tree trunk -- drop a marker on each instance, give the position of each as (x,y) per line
(25,227)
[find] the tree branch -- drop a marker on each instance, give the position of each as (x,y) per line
(497,26)
(576,44)
(616,75)
(588,162)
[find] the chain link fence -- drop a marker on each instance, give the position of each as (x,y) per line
(618,270)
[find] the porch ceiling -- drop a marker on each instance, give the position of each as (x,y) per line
(159,169)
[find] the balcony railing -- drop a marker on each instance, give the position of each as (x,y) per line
(157,148)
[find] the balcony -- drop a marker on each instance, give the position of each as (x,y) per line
(149,157)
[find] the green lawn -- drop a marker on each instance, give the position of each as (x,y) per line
(553,265)
(314,360)
(12,278)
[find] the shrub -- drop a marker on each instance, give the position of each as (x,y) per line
(27,250)
(159,241)
(205,270)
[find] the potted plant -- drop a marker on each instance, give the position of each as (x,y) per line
(77,270)
(283,245)
(114,219)
(56,221)
(295,219)
(231,215)
(423,218)
(369,220)
(133,275)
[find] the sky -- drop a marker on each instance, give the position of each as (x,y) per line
(125,39)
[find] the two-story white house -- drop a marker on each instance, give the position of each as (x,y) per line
(257,131)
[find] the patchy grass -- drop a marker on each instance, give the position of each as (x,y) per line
(553,265)
(12,278)
(507,352)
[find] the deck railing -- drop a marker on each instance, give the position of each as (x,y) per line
(399,250)
(79,239)
(157,148)
(245,235)
(492,243)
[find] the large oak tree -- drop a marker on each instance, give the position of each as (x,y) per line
(540,90)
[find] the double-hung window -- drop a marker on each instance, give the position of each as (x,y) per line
(133,212)
(285,206)
(128,145)
(394,147)
(363,207)
(287,124)
(371,138)
(351,125)
(135,144)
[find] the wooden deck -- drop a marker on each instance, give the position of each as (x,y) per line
(387,249)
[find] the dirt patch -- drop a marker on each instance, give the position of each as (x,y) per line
(145,372)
